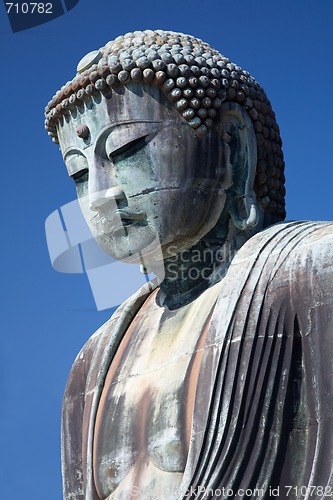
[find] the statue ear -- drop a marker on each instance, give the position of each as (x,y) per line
(241,146)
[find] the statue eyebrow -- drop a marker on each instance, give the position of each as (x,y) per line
(133,122)
(72,151)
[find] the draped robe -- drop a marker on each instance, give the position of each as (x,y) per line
(262,417)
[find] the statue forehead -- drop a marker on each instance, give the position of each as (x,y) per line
(132,104)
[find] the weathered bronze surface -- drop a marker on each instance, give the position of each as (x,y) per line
(216,380)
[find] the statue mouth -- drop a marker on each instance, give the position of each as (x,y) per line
(119,220)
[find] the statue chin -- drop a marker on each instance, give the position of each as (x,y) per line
(130,244)
(137,243)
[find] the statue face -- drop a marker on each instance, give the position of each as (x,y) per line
(144,178)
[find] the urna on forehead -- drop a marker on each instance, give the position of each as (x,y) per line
(129,105)
(195,78)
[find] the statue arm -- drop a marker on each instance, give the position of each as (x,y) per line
(82,395)
(311,286)
(73,422)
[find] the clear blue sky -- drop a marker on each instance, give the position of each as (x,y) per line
(46,317)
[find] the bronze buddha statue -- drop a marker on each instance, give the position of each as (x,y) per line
(216,379)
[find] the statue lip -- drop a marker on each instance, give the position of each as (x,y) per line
(122,217)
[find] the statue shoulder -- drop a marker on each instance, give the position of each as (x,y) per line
(313,253)
(322,236)
(302,254)
(105,339)
(299,273)
(76,382)
(310,267)
(305,244)
(292,261)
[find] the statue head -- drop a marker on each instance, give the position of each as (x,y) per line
(166,138)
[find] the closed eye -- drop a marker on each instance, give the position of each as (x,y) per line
(124,138)
(76,164)
(129,148)
(80,176)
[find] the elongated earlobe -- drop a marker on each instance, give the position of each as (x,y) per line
(250,210)
(242,156)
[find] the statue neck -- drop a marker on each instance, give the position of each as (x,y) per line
(192,271)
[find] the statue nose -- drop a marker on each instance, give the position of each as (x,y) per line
(97,200)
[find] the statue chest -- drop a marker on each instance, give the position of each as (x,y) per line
(145,413)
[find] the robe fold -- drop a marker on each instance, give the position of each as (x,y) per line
(263,413)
